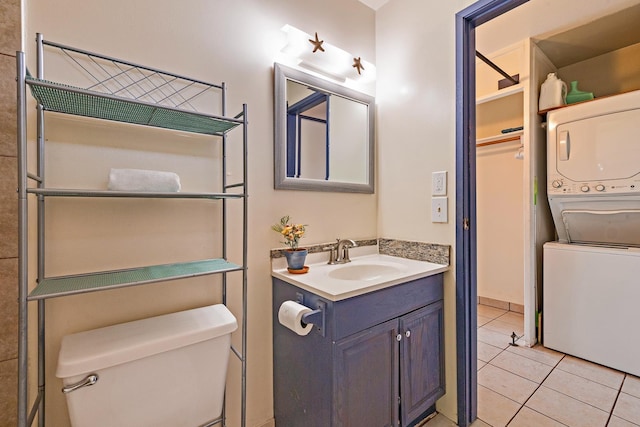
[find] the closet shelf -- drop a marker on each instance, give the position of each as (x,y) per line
(59,192)
(67,99)
(502,93)
(70,285)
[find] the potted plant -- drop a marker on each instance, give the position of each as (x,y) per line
(292,234)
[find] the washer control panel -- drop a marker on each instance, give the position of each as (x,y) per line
(558,184)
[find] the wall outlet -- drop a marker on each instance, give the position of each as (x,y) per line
(439,183)
(439,209)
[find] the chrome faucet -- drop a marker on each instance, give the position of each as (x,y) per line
(342,250)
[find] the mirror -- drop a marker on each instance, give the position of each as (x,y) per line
(324,138)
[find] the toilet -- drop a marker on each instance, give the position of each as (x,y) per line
(168,370)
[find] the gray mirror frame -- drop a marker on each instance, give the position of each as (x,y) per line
(282,182)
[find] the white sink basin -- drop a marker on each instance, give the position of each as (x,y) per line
(365,272)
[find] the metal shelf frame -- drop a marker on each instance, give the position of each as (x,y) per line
(119,91)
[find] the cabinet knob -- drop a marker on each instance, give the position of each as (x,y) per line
(399,337)
(407,334)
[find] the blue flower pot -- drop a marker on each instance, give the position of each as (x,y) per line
(296,258)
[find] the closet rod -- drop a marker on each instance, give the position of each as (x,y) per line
(487,61)
(499,141)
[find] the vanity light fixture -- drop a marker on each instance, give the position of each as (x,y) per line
(324,58)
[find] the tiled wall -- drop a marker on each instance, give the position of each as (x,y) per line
(9,43)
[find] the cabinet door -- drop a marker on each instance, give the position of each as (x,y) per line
(366,378)
(421,361)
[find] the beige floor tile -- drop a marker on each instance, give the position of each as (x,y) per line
(527,417)
(631,385)
(486,352)
(507,384)
(516,319)
(582,389)
(479,423)
(565,409)
(495,409)
(483,320)
(481,364)
(619,422)
(504,328)
(493,338)
(439,421)
(538,353)
(598,373)
(627,408)
(492,312)
(522,366)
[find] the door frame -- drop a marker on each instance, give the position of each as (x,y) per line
(466,250)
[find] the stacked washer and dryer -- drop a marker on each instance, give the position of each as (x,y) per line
(591,287)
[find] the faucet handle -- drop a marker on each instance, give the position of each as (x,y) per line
(332,253)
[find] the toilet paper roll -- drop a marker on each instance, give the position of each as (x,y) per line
(290,316)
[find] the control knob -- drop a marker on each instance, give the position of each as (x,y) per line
(599,187)
(584,188)
(556,183)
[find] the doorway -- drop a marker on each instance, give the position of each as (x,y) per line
(466,239)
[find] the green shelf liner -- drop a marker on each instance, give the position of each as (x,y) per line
(68,285)
(62,99)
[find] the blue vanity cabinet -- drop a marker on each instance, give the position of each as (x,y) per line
(380,362)
(366,377)
(422,360)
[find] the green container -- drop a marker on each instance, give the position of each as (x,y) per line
(576,95)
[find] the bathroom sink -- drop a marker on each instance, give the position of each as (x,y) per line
(364,271)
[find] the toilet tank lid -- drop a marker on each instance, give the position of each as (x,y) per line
(84,352)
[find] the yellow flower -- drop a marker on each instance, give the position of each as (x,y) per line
(291,232)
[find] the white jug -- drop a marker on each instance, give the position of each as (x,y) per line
(552,92)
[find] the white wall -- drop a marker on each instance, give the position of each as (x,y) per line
(415,43)
(500,217)
(211,40)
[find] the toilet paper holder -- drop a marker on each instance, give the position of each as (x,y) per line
(315,317)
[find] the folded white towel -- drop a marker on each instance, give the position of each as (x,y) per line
(143,180)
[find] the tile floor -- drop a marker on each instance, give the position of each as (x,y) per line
(539,387)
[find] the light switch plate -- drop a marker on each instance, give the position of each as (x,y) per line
(439,183)
(439,209)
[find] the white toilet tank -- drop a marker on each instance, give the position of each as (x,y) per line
(168,370)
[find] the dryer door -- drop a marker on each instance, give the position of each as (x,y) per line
(601,148)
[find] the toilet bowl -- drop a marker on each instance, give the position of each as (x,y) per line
(162,371)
